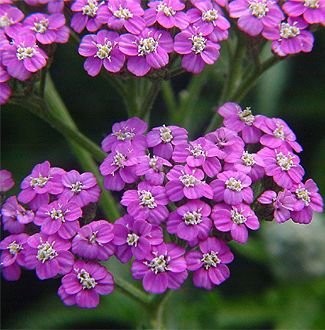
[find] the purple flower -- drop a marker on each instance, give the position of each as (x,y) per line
(201,152)
(255,15)
(164,269)
(190,221)
(15,216)
(146,203)
(197,49)
(152,168)
(48,28)
(23,57)
(236,220)
(94,241)
(282,202)
(101,49)
(130,132)
(277,133)
(81,189)
(9,15)
(119,167)
(187,182)
(43,180)
(85,283)
(282,165)
(309,201)
(168,13)
(209,264)
(239,120)
(5,93)
(123,13)
(85,15)
(164,138)
(49,255)
(290,37)
(313,11)
(232,187)
(135,238)
(12,256)
(147,50)
(6,180)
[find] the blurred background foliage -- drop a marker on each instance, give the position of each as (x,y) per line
(277,279)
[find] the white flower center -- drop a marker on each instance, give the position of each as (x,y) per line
(234,184)
(119,159)
(104,51)
(158,264)
(153,163)
(198,43)
(5,20)
(285,162)
(288,31)
(197,150)
(132,239)
(124,134)
(147,199)
(165,134)
(147,46)
(279,132)
(248,159)
(123,13)
(14,248)
(192,218)
(311,3)
(237,217)
(246,116)
(93,238)
(304,195)
(86,280)
(76,187)
(258,8)
(210,15)
(46,252)
(25,52)
(188,180)
(41,181)
(91,8)
(210,260)
(168,11)
(41,26)
(56,214)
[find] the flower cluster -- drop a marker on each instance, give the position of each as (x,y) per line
(27,40)
(201,194)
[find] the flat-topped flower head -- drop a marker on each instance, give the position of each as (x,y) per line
(236,220)
(12,256)
(163,139)
(49,255)
(147,50)
(209,264)
(85,283)
(94,241)
(6,180)
(190,221)
(134,238)
(255,15)
(15,216)
(130,131)
(187,182)
(241,121)
(167,13)
(197,49)
(146,203)
(232,188)
(164,269)
(101,50)
(119,14)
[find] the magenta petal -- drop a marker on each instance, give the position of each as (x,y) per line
(155,283)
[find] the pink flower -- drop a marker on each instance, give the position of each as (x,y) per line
(9,15)
(85,283)
(164,269)
(94,241)
(5,93)
(209,264)
(6,180)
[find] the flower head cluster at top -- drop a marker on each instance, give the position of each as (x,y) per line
(184,201)
(143,37)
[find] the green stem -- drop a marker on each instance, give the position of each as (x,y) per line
(157,321)
(169,97)
(149,98)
